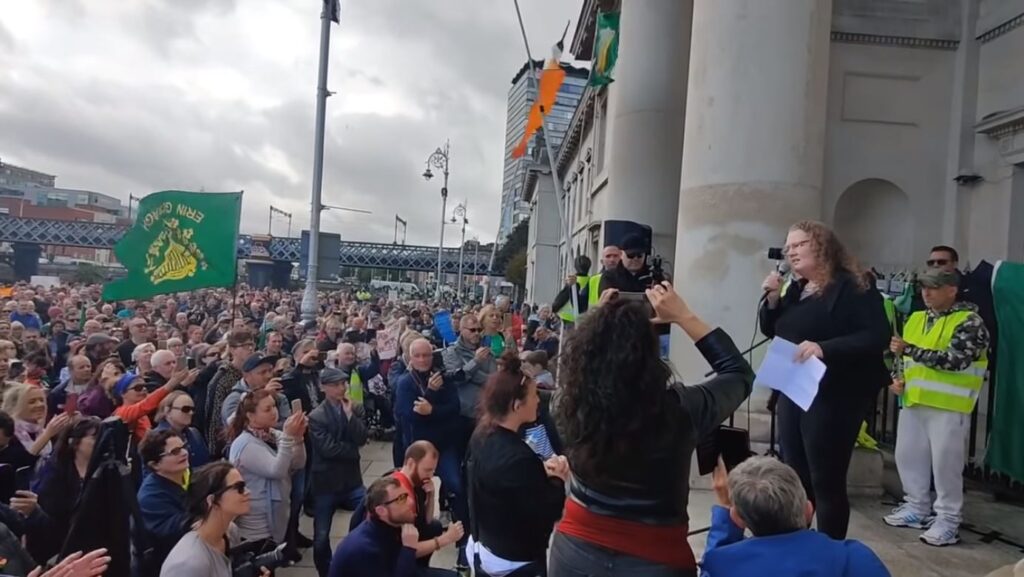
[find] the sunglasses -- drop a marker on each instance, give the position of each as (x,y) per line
(175,452)
(937,262)
(476,330)
(137,388)
(399,499)
(238,487)
(187,409)
(634,254)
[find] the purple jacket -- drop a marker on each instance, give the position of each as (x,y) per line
(94,402)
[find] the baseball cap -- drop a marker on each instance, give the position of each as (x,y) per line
(935,278)
(330,376)
(257,359)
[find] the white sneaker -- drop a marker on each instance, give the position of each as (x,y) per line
(941,534)
(904,516)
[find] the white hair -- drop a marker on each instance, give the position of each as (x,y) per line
(137,351)
(768,496)
(161,356)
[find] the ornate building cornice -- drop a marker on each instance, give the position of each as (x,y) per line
(1011,24)
(904,41)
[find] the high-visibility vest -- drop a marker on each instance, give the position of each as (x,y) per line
(949,390)
(566,313)
(594,291)
(890,314)
(355,386)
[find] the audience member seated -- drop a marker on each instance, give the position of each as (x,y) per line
(98,399)
(385,544)
(162,497)
(765,496)
(175,414)
(217,495)
(337,430)
(59,483)
(416,476)
(266,458)
(516,497)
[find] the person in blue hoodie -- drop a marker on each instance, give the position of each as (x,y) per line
(765,496)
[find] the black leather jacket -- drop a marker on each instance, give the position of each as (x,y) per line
(658,492)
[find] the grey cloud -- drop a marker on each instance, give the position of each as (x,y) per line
(454,59)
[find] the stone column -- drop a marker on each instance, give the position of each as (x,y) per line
(753,155)
(646,108)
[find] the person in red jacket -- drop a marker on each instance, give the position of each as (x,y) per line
(135,403)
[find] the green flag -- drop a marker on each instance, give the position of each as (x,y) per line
(606,49)
(181,241)
(1006,437)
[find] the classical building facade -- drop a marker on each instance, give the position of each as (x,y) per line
(898,122)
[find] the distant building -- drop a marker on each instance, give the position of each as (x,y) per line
(23,208)
(64,197)
(11,174)
(520,99)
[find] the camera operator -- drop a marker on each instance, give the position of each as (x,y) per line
(630,434)
(633,274)
(765,496)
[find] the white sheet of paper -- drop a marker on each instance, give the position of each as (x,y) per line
(779,371)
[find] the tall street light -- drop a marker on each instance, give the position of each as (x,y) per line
(439,160)
(460,212)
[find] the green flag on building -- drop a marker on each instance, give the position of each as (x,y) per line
(606,49)
(181,241)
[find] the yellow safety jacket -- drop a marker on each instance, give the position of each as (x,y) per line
(566,313)
(949,390)
(594,291)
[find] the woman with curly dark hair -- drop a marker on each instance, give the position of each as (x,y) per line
(631,433)
(830,313)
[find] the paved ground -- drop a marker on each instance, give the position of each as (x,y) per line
(902,553)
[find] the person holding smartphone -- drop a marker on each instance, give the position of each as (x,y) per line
(427,404)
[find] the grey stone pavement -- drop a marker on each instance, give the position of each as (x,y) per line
(899,549)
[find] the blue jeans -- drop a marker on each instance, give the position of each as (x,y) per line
(572,557)
(324,507)
(449,469)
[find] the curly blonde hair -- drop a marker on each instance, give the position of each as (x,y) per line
(831,253)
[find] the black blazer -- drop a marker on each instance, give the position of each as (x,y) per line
(850,326)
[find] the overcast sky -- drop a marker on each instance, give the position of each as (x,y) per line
(132,97)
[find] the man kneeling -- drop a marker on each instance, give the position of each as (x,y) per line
(765,496)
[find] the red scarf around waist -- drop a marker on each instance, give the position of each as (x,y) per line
(663,544)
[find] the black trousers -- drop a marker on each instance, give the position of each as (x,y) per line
(818,444)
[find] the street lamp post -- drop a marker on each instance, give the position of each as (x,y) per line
(439,160)
(460,212)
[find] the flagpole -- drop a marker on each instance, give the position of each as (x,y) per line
(309,297)
(574,292)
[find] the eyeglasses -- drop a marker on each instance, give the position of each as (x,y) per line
(399,499)
(934,262)
(791,247)
(175,452)
(238,487)
(474,330)
(187,409)
(634,254)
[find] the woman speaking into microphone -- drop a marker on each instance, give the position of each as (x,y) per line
(830,313)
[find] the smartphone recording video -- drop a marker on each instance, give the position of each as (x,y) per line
(730,443)
(640,298)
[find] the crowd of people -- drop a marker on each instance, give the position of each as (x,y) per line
(230,418)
